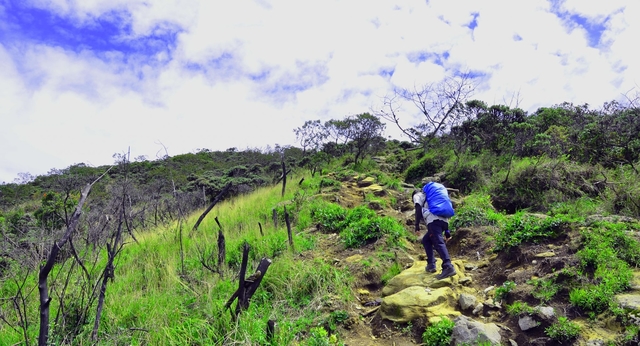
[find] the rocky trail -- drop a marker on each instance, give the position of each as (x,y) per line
(397,312)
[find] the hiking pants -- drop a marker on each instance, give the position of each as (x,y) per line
(434,240)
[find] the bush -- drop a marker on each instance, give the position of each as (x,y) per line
(523,227)
(544,290)
(428,165)
(563,331)
(439,333)
(519,308)
(465,176)
(503,291)
(536,186)
(608,253)
(318,336)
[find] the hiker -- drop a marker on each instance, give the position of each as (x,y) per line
(435,195)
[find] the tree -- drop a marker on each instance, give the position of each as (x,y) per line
(442,104)
(310,135)
(363,130)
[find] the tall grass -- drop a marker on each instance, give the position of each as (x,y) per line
(157,299)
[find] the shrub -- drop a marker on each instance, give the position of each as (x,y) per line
(544,290)
(536,186)
(438,333)
(503,291)
(523,227)
(318,336)
(464,176)
(563,330)
(428,165)
(607,253)
(329,216)
(519,308)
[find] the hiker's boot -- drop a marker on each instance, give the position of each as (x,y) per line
(430,269)
(446,272)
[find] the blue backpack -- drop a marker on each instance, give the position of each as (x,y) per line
(438,200)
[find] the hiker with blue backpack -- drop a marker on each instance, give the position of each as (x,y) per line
(434,207)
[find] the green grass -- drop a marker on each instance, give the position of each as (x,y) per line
(156,300)
(439,333)
(522,227)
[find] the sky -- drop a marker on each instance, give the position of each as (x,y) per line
(81,80)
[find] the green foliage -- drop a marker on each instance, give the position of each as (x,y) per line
(563,330)
(523,227)
(318,336)
(330,217)
(519,308)
(503,291)
(357,226)
(538,184)
(54,210)
(428,165)
(476,211)
(439,333)
(463,174)
(607,253)
(544,290)
(337,317)
(391,272)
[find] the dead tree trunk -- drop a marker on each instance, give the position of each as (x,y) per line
(114,246)
(284,177)
(43,289)
(260,226)
(222,252)
(250,284)
(286,220)
(215,201)
(274,215)
(242,304)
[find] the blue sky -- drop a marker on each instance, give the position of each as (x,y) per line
(84,79)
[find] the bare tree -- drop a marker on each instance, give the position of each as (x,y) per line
(43,288)
(441,104)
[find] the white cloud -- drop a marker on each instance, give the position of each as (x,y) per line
(246,73)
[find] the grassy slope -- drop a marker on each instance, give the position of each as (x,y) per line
(153,301)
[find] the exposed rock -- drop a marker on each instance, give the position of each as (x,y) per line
(354,259)
(595,342)
(417,276)
(416,302)
(467,301)
(478,309)
(363,292)
(611,218)
(545,312)
(540,341)
(467,280)
(545,254)
(629,301)
(488,289)
(527,322)
(470,332)
(375,189)
(368,181)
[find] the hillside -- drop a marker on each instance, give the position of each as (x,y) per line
(545,240)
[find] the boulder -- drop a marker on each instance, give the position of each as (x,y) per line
(368,181)
(629,301)
(416,302)
(527,322)
(469,332)
(467,301)
(375,189)
(417,276)
(545,312)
